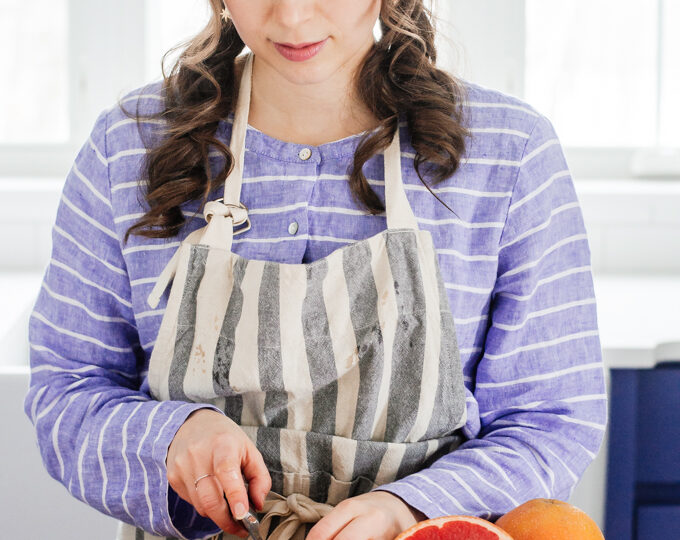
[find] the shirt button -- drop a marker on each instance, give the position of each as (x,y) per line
(305,154)
(293,227)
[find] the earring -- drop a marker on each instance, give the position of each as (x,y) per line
(225,14)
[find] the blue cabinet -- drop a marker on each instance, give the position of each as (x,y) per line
(643,467)
(658,521)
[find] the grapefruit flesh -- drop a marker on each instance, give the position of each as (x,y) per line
(454,528)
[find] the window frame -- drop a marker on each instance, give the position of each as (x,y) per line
(101,66)
(104,62)
(481,64)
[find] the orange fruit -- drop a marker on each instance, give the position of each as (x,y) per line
(454,528)
(549,519)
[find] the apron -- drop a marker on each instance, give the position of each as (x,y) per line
(345,371)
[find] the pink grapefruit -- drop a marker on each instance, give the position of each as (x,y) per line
(454,528)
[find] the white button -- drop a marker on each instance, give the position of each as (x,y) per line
(293,227)
(305,154)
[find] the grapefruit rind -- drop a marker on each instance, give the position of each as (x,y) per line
(486,528)
(537,517)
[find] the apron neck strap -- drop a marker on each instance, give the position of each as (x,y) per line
(397,208)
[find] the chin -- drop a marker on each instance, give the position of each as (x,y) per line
(311,71)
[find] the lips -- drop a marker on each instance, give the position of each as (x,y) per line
(299,45)
(299,52)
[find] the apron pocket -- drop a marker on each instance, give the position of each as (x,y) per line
(321,486)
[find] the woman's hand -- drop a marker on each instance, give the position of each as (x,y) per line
(209,442)
(378,515)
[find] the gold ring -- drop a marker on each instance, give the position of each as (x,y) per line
(201,478)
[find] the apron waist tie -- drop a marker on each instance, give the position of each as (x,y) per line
(295,511)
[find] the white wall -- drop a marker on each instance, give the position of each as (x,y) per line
(32,504)
(483,42)
(633,225)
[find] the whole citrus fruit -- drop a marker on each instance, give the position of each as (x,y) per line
(549,519)
(454,528)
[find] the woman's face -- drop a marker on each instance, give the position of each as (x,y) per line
(345,25)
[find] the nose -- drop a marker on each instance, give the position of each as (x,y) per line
(294,14)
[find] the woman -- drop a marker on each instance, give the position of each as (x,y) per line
(335,378)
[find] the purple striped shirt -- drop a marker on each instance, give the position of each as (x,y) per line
(516,266)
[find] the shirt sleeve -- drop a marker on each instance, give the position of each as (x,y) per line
(539,390)
(98,434)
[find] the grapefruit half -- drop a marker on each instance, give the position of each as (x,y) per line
(454,528)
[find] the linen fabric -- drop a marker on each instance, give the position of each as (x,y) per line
(515,265)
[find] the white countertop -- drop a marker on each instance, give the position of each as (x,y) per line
(18,291)
(636,313)
(638,318)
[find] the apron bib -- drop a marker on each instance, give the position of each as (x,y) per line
(345,371)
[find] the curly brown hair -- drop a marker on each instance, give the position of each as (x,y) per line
(398,75)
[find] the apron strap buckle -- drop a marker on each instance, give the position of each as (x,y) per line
(238,212)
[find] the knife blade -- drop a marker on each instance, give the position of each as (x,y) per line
(249,521)
(252,524)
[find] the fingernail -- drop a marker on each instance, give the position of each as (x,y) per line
(239,511)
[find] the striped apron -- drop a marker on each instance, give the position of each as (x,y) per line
(345,371)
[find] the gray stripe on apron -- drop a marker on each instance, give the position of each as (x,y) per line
(319,348)
(224,350)
(323,373)
(271,372)
(409,339)
(319,460)
(449,402)
(186,322)
(268,442)
(445,445)
(363,302)
(367,462)
(269,348)
(414,455)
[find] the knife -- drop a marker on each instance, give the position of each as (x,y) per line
(249,521)
(252,524)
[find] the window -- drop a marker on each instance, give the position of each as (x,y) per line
(605,72)
(591,67)
(168,23)
(35,83)
(68,60)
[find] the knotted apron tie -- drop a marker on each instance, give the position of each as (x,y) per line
(218,233)
(295,511)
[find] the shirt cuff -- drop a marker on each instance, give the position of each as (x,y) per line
(178,517)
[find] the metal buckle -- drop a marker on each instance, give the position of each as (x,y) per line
(240,205)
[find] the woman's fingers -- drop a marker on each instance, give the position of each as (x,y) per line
(257,474)
(208,497)
(227,468)
(356,529)
(211,443)
(334,522)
